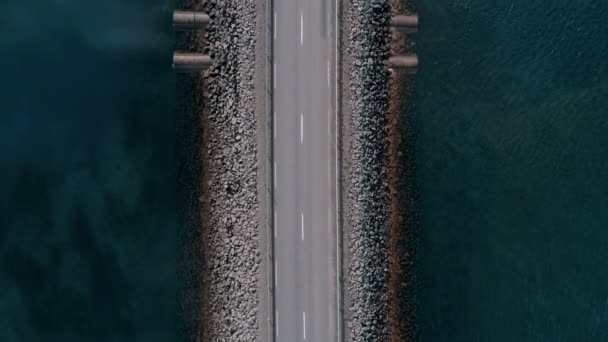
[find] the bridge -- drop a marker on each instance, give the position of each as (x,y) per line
(306,237)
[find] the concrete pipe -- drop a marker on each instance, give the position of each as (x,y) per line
(188,20)
(408,63)
(191,62)
(408,23)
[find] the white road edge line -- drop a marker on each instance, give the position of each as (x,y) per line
(301,128)
(301,28)
(338,270)
(304,323)
(274,175)
(302,220)
(276,279)
(274,124)
(274,225)
(274,75)
(274,25)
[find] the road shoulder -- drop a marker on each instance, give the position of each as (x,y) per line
(263,105)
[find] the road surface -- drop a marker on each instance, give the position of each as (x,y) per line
(305,164)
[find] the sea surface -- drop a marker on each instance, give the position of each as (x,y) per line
(88,166)
(512,170)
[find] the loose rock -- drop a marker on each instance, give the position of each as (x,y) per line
(368,191)
(233,255)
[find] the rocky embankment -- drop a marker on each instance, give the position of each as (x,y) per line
(231,202)
(379,216)
(365,139)
(403,221)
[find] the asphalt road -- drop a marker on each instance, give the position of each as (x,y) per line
(305,181)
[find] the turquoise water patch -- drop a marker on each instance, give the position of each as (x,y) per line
(512,166)
(88,172)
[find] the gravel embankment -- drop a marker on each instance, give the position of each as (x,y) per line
(403,220)
(190,149)
(233,253)
(367,194)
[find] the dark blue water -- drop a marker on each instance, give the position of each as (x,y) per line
(512,157)
(87,171)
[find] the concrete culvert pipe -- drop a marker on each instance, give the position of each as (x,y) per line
(408,23)
(191,62)
(190,20)
(408,63)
